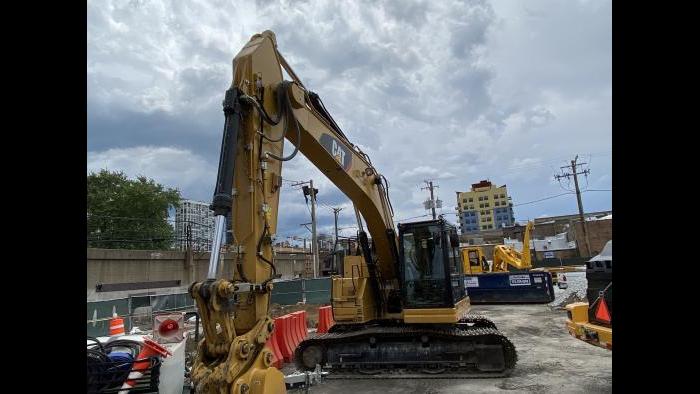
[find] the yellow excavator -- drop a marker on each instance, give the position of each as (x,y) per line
(400,303)
(496,283)
(503,256)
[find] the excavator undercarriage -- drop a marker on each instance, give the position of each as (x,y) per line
(473,346)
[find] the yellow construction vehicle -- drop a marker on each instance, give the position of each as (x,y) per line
(503,256)
(495,283)
(593,323)
(401,303)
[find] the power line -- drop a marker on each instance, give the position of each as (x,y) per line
(543,199)
(414,217)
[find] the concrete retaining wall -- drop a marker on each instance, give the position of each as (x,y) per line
(126,266)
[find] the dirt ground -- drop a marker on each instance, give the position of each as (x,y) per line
(549,360)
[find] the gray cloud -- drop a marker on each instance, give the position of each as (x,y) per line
(454,90)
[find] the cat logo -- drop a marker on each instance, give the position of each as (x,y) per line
(340,153)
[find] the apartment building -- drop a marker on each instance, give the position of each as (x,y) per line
(484,207)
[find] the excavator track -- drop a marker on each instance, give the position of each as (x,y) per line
(476,321)
(472,348)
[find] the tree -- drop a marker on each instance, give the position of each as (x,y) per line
(128,214)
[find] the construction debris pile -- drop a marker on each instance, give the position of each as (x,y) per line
(575,292)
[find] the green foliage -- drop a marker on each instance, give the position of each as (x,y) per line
(129,214)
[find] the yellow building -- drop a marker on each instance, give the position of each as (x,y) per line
(485,207)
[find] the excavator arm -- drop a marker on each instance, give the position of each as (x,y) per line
(504,256)
(261,111)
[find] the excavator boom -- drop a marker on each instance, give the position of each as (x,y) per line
(504,256)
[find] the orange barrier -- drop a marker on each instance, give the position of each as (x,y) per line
(289,331)
(282,342)
(296,329)
(301,325)
(304,326)
(325,319)
(287,339)
(272,345)
(116,326)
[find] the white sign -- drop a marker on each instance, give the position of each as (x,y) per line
(537,279)
(548,255)
(519,280)
(471,281)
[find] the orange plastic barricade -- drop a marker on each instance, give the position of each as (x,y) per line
(303,326)
(296,318)
(271,345)
(331,321)
(325,319)
(284,339)
(322,325)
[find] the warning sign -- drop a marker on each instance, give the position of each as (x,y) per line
(519,280)
(471,281)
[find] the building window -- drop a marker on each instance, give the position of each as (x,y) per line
(503,196)
(486,205)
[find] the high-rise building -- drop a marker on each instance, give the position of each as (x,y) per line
(484,207)
(196,218)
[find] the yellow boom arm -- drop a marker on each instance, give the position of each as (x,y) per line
(504,256)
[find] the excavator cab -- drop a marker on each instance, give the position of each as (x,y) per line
(431,265)
(474,260)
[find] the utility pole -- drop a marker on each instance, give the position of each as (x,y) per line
(431,203)
(314,239)
(310,191)
(335,213)
(336,257)
(575,174)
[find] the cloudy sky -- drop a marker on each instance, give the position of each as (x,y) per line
(454,91)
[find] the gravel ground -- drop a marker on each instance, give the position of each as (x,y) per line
(576,290)
(549,359)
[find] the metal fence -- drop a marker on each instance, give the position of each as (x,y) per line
(308,291)
(137,310)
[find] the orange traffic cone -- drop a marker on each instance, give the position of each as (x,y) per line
(116,326)
(143,362)
(602,313)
